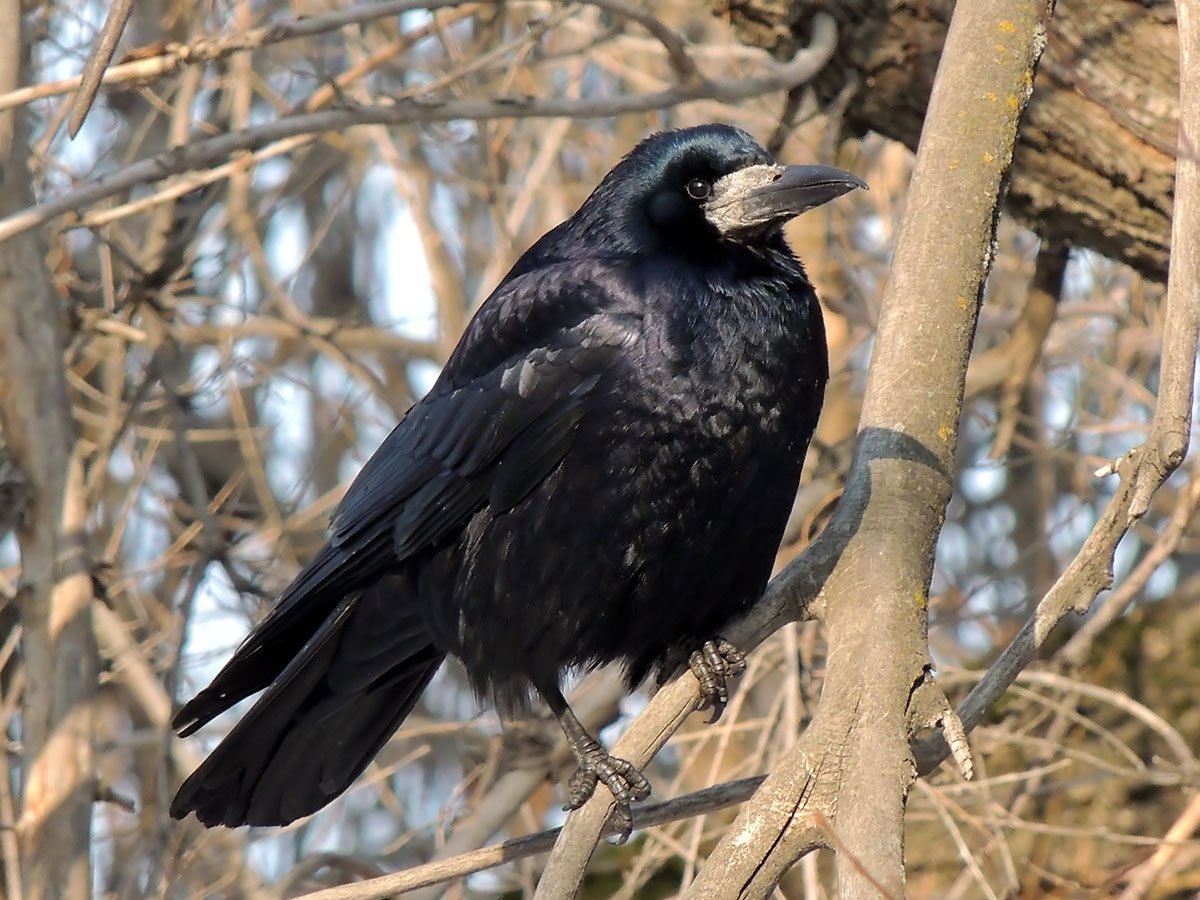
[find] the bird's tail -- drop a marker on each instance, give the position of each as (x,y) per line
(328,711)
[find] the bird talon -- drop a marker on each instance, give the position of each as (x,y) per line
(713,665)
(734,659)
(621,777)
(580,788)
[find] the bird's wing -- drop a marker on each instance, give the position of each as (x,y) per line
(501,416)
(498,420)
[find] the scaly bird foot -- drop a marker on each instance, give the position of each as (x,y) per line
(620,776)
(713,665)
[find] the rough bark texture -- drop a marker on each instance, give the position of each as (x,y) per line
(845,783)
(55,593)
(1095,162)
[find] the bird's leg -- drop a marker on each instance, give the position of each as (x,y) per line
(713,665)
(596,765)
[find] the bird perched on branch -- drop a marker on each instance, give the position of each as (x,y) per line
(601,474)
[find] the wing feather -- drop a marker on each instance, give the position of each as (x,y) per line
(486,437)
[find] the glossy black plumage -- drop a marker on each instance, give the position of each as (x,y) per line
(601,473)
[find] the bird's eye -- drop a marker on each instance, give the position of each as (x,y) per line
(698,189)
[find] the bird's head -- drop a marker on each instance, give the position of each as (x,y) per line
(695,189)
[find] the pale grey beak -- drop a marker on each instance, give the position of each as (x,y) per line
(758,198)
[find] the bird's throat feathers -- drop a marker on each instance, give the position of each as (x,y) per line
(759,309)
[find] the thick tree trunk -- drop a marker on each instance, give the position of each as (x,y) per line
(1095,163)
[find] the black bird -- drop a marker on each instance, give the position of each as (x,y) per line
(601,473)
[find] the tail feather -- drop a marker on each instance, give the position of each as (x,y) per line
(299,613)
(320,758)
(322,720)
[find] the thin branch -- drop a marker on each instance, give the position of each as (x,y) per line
(1009,364)
(789,598)
(685,807)
(130,666)
(97,62)
(682,64)
(55,599)
(1184,755)
(10,855)
(1143,878)
(1023,349)
(1076,650)
(1144,469)
(295,327)
(203,153)
(176,56)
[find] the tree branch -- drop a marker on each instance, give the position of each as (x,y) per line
(425,109)
(1011,362)
(173,57)
(597,703)
(97,62)
(1144,469)
(789,598)
(1075,651)
(1094,161)
(684,67)
(55,594)
(441,871)
(853,766)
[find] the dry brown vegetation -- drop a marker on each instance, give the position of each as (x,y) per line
(272,226)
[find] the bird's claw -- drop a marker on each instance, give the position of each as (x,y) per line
(713,665)
(621,777)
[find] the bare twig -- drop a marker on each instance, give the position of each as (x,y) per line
(295,326)
(55,595)
(175,56)
(1023,348)
(130,666)
(1142,879)
(1076,650)
(1144,469)
(200,154)
(97,62)
(1178,745)
(684,67)
(685,807)
(1010,363)
(9,850)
